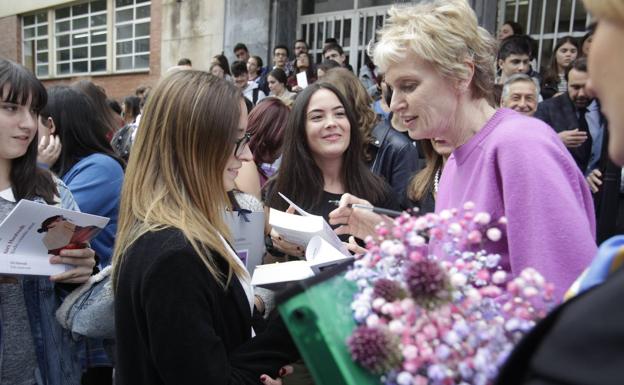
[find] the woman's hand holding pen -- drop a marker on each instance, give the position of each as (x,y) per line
(358,222)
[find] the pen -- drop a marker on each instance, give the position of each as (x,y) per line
(377,210)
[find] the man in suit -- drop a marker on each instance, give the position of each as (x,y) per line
(576,117)
(587,141)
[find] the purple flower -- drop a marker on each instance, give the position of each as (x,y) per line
(375,349)
(465,371)
(437,372)
(425,280)
(442,352)
(445,319)
(388,289)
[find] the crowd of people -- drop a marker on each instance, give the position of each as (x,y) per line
(440,114)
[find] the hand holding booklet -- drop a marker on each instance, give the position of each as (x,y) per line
(300,229)
(323,248)
(34,230)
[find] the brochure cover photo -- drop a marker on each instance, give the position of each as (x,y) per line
(33,230)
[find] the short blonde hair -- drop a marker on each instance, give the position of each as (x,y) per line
(609,9)
(443,33)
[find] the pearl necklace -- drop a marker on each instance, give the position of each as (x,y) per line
(436,181)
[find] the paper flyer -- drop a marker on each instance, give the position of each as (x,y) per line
(301,229)
(302,79)
(33,230)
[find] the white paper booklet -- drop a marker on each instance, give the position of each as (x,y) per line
(274,276)
(319,255)
(323,248)
(33,230)
(300,229)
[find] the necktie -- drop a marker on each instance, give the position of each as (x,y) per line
(584,151)
(582,121)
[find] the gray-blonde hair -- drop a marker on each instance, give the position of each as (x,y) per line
(444,33)
(608,9)
(519,78)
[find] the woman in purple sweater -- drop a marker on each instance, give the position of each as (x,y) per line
(439,63)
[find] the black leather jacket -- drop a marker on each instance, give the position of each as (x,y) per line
(395,158)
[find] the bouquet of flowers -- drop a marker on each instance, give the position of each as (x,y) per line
(432,307)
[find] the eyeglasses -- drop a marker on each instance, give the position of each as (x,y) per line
(240,144)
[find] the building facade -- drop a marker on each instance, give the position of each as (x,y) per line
(546,21)
(122,44)
(118,44)
(114,42)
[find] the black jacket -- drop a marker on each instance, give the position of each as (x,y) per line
(560,113)
(579,343)
(176,325)
(607,199)
(395,158)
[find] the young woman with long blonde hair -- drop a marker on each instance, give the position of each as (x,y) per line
(183,310)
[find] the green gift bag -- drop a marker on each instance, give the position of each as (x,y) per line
(317,313)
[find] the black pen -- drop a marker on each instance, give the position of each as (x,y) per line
(377,210)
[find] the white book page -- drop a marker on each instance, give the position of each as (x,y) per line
(296,229)
(297,208)
(320,253)
(275,274)
(33,230)
(302,79)
(327,232)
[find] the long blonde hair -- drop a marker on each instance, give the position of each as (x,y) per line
(174,176)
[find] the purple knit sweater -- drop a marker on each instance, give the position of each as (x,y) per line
(517,167)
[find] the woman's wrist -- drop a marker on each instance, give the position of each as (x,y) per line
(271,249)
(259,304)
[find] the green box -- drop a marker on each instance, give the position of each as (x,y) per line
(317,313)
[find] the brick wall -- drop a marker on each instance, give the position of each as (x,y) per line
(116,86)
(120,86)
(10,38)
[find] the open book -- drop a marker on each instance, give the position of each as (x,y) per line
(33,230)
(319,255)
(323,248)
(300,229)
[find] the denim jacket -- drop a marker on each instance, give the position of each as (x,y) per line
(56,351)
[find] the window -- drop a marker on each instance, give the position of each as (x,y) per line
(309,7)
(132,34)
(80,38)
(546,21)
(352,29)
(96,36)
(35,54)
